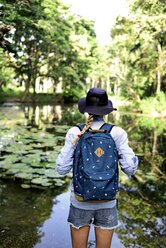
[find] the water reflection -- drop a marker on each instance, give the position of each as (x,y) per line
(56,230)
(56,225)
(22,212)
(37,116)
(142,199)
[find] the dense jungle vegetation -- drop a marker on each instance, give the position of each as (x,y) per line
(49,53)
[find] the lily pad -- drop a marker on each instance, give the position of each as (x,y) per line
(18,166)
(29,153)
(10,172)
(51,173)
(18,148)
(38,145)
(32,159)
(25,186)
(59,182)
(50,166)
(9,159)
(61,128)
(42,181)
(25,176)
(39,171)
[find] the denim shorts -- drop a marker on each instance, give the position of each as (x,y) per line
(104,218)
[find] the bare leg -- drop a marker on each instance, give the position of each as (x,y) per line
(79,236)
(103,237)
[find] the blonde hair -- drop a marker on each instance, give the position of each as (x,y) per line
(86,127)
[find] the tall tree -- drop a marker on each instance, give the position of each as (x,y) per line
(48,42)
(139,43)
(24,43)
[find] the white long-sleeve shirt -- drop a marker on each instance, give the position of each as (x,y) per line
(128,160)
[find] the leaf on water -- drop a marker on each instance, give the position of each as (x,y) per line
(39,171)
(42,181)
(9,159)
(25,186)
(32,160)
(18,148)
(51,173)
(38,146)
(59,182)
(22,175)
(30,154)
(60,129)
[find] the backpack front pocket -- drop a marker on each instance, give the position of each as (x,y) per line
(100,187)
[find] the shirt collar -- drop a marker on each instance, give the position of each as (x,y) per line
(98,118)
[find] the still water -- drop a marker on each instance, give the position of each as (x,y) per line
(33,213)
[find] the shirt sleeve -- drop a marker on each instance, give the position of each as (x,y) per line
(128,160)
(64,160)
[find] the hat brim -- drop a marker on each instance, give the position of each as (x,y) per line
(95,110)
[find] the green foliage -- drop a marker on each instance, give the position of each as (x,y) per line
(47,42)
(10,94)
(138,50)
(154,104)
(43,98)
(6,71)
(72,94)
(153,7)
(151,123)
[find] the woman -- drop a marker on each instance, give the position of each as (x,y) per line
(103,215)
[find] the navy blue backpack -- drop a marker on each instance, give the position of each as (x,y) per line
(95,166)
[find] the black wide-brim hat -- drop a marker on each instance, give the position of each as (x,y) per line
(96,102)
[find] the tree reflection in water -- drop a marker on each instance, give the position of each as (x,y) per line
(22,212)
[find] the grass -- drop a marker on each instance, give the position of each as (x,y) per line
(10,95)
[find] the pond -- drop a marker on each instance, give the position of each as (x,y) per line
(34,199)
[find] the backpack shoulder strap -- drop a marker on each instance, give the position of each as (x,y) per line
(80,126)
(107,127)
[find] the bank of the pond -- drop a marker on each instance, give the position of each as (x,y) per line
(152,106)
(15,97)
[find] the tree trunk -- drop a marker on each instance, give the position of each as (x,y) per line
(135,95)
(1,83)
(34,87)
(25,92)
(93,83)
(54,89)
(158,82)
(118,86)
(154,146)
(27,86)
(159,74)
(117,89)
(108,88)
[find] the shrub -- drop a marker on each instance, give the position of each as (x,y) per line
(155,104)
